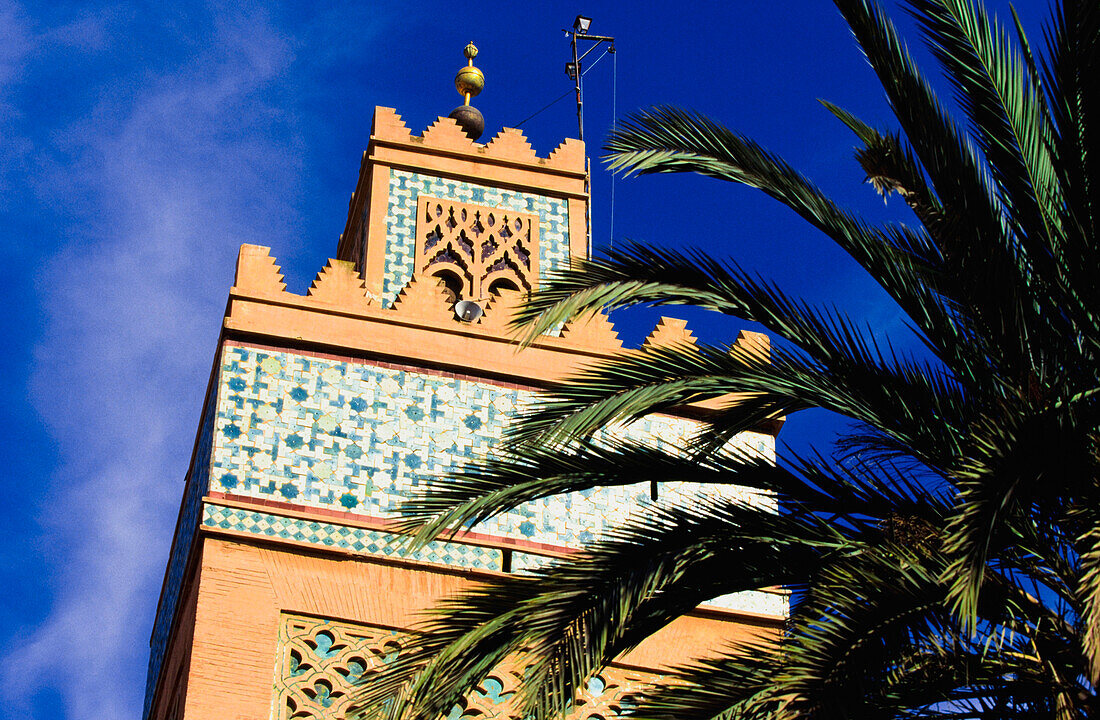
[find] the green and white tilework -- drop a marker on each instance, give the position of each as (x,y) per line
(764,603)
(405,189)
(344,537)
(360,438)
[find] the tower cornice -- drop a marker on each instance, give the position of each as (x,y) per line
(444,150)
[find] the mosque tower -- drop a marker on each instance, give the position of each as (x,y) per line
(285,583)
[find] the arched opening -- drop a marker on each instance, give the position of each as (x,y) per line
(502,285)
(452,285)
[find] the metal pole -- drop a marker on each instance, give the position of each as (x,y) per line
(577,87)
(596,40)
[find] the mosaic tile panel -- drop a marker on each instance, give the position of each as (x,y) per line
(196,485)
(405,189)
(361,438)
(764,603)
(340,536)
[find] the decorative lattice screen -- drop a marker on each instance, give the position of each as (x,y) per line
(320,661)
(476,249)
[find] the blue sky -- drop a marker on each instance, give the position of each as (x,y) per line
(141,144)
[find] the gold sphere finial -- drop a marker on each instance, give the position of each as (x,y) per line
(470,80)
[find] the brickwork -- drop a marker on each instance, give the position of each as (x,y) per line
(176,665)
(195,487)
(246,592)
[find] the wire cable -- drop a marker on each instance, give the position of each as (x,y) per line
(561,97)
(547,107)
(596,62)
(614,126)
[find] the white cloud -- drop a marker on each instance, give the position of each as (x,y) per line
(170,176)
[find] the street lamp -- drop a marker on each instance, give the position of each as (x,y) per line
(581,25)
(574,70)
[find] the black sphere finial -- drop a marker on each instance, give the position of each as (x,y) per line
(470,119)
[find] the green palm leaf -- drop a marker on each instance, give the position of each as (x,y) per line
(1007,116)
(578,614)
(944,561)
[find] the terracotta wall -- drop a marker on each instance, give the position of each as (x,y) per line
(244,590)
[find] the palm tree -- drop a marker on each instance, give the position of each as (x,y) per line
(946,562)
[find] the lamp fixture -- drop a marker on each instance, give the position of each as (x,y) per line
(581,24)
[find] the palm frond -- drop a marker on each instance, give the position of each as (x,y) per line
(944,560)
(576,615)
(891,167)
(944,153)
(1010,118)
(851,378)
(507,479)
(668,139)
(853,632)
(1090,595)
(978,249)
(1073,42)
(1007,115)
(634,274)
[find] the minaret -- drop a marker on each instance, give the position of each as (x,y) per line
(285,584)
